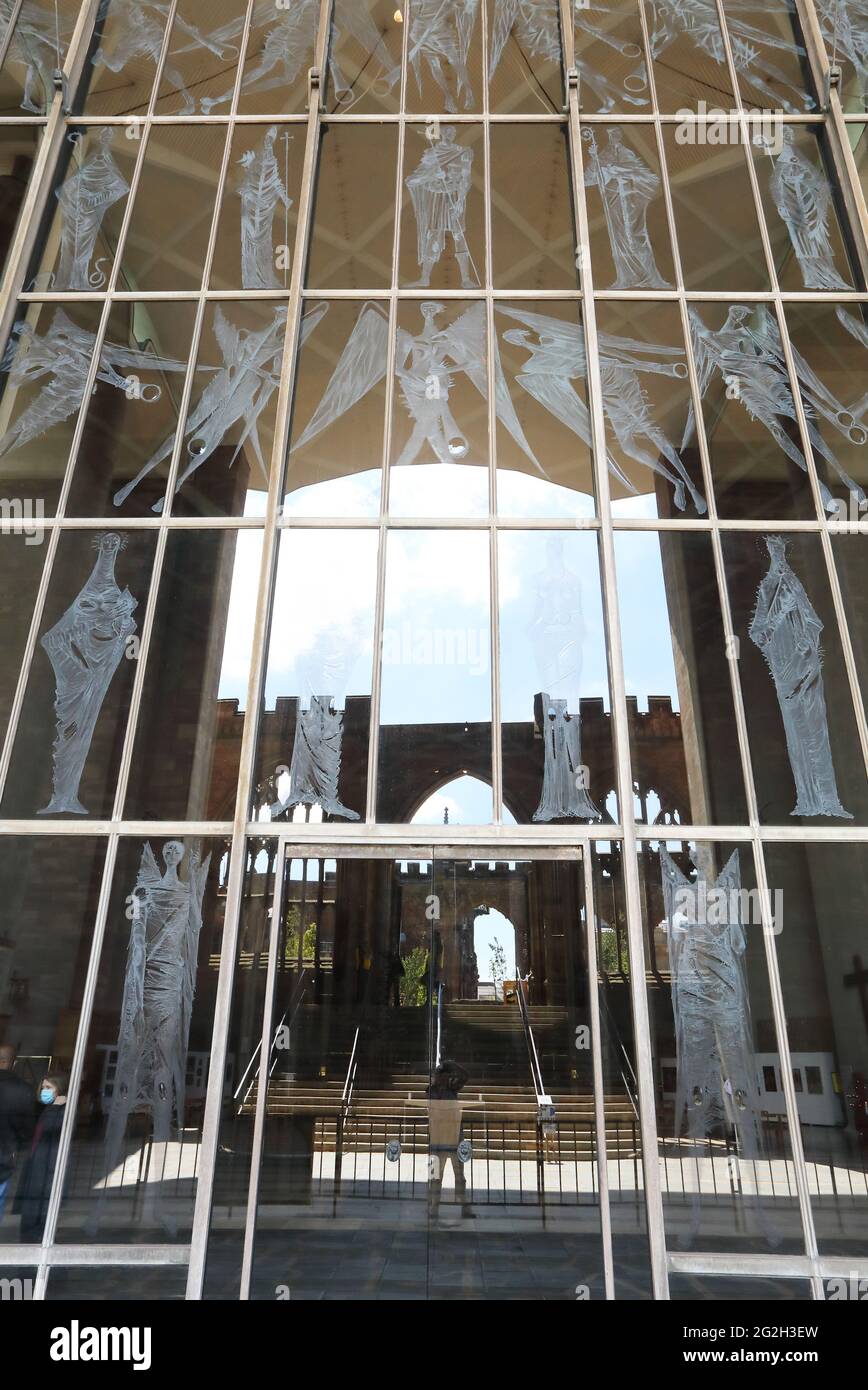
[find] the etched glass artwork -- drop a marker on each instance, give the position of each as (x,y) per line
(598,46)
(85,649)
(627,187)
(788,631)
(439,37)
(716,1085)
(557,635)
(153,1036)
(38,44)
(263,192)
(137,30)
(83,200)
(438,189)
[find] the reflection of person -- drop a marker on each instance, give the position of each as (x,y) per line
(17,1119)
(444,1129)
(31,1201)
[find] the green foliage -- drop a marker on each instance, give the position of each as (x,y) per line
(414,986)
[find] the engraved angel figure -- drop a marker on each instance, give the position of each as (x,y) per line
(748,351)
(716,1083)
(38,44)
(440,32)
(438,189)
(84,199)
(157,1007)
(425,365)
(60,359)
(788,631)
(261,190)
(137,33)
(627,188)
(536,25)
(557,358)
(85,649)
(844,26)
(698,20)
(557,634)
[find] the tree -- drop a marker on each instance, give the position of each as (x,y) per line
(497,963)
(413,987)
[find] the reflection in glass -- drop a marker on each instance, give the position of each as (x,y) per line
(533,240)
(525,64)
(22,556)
(621,164)
(727,1170)
(435,711)
(135,1147)
(191,721)
(821,955)
(804,744)
(18,146)
(352,238)
(117,1283)
(315,726)
(851,558)
(46,886)
(718,233)
(442,222)
(557,750)
(675,658)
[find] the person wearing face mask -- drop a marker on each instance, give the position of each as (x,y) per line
(17,1119)
(34,1191)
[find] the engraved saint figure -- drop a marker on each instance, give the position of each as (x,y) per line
(440,32)
(159,988)
(557,635)
(438,189)
(716,1083)
(261,190)
(85,649)
(788,631)
(84,199)
(627,187)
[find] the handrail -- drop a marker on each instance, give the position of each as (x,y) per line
(629,1076)
(542,1096)
(438,1057)
(291,1009)
(350,1082)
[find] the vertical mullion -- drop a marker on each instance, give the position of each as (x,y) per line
(621,729)
(491,387)
(247,762)
(587,868)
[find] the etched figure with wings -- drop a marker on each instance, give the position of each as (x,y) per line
(61,358)
(440,32)
(747,352)
(138,29)
(38,43)
(425,364)
(557,358)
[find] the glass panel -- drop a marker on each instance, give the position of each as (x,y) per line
(544,466)
(744,1289)
(851,559)
(17,1282)
(655,465)
(229,432)
(171,220)
(258,218)
(203,53)
(525,62)
(77,249)
(70,733)
(683,735)
(134,1157)
(123,63)
(43,370)
(48,899)
(443,208)
(315,726)
(435,712)
(725,1154)
(757,459)
(336,445)
(556,722)
(533,240)
(280,53)
(799,200)
(440,413)
(689,57)
(715,219)
(365,57)
(36,50)
(191,722)
(18,146)
(445,56)
(22,556)
(769,54)
(610,57)
(353,225)
(842,25)
(821,889)
(626,209)
(131,418)
(139,1284)
(805,749)
(232,1159)
(830,345)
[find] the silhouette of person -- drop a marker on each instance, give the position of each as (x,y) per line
(17,1119)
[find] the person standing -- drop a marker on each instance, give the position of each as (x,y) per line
(17,1119)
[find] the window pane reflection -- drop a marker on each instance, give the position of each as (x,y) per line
(353,225)
(533,240)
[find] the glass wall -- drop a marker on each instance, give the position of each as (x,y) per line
(424,430)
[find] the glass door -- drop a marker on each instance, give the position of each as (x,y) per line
(427,1124)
